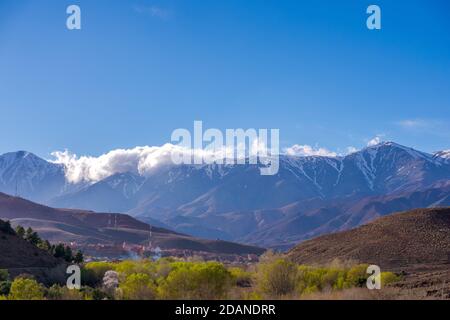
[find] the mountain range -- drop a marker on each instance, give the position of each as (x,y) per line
(308,197)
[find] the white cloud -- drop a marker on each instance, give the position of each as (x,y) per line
(373,142)
(91,169)
(143,160)
(306,150)
(153,11)
(413,123)
(351,150)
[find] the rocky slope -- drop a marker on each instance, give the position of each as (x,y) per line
(418,237)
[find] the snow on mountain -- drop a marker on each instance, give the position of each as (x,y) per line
(445,154)
(29,176)
(229,201)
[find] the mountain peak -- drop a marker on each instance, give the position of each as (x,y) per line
(21,155)
(385,144)
(389,145)
(445,154)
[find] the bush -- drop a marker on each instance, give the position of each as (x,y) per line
(388,278)
(5,287)
(357,276)
(57,292)
(4,275)
(277,278)
(126,268)
(240,277)
(199,280)
(93,272)
(26,289)
(138,286)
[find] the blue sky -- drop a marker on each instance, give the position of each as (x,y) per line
(140,69)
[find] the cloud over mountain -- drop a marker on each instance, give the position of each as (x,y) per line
(306,150)
(140,160)
(143,160)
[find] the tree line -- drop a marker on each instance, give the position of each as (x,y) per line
(60,250)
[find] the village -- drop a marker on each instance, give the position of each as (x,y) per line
(127,251)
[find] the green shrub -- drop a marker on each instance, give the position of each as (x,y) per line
(196,280)
(26,289)
(126,268)
(99,268)
(277,278)
(138,286)
(57,292)
(4,275)
(388,278)
(5,287)
(357,276)
(240,277)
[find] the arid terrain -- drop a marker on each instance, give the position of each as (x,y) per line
(85,229)
(414,244)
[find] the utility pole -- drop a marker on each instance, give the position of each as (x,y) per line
(150,238)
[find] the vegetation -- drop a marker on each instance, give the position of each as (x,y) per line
(274,277)
(23,288)
(58,251)
(5,283)
(5,227)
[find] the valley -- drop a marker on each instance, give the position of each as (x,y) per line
(113,236)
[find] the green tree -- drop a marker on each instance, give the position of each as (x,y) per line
(32,237)
(138,286)
(5,226)
(189,280)
(78,257)
(93,272)
(59,251)
(45,245)
(5,287)
(26,289)
(68,256)
(4,275)
(20,231)
(5,283)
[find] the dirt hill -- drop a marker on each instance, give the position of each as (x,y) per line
(402,240)
(87,227)
(21,257)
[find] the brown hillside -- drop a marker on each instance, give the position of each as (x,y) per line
(20,257)
(418,237)
(87,227)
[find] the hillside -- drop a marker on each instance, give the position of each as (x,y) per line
(86,228)
(402,240)
(305,220)
(21,257)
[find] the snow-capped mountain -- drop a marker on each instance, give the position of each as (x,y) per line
(445,155)
(31,177)
(234,201)
(113,194)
